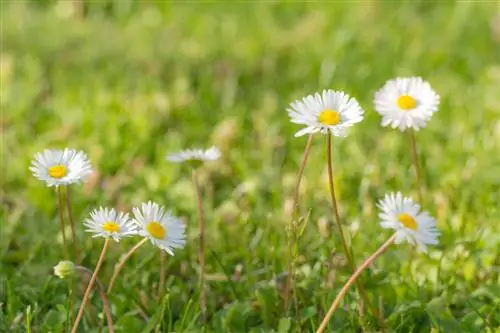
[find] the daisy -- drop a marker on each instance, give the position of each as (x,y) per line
(331,112)
(162,228)
(61,167)
(104,222)
(197,154)
(406,103)
(403,215)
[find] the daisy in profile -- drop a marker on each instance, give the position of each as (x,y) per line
(329,112)
(160,227)
(411,224)
(194,155)
(406,102)
(105,222)
(61,167)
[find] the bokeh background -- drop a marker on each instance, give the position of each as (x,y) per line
(129,81)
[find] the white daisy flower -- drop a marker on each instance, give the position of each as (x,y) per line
(104,222)
(162,228)
(332,111)
(61,167)
(197,154)
(406,103)
(403,215)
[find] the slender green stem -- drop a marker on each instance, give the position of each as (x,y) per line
(414,154)
(90,286)
(203,295)
(122,262)
(102,293)
(352,280)
(72,224)
(162,274)
(292,232)
(118,268)
(61,220)
(343,241)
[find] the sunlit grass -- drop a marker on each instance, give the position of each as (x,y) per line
(131,81)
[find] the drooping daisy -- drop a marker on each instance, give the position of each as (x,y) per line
(162,228)
(61,167)
(196,154)
(331,111)
(403,215)
(105,222)
(407,102)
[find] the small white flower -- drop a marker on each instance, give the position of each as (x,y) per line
(104,222)
(406,103)
(197,154)
(162,228)
(403,215)
(332,111)
(61,167)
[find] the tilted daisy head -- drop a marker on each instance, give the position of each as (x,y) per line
(331,111)
(161,227)
(61,167)
(403,215)
(407,102)
(195,156)
(105,222)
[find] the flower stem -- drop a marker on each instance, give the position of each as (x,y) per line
(89,287)
(61,220)
(292,233)
(104,297)
(352,280)
(120,264)
(343,241)
(118,268)
(414,154)
(203,295)
(162,274)
(72,224)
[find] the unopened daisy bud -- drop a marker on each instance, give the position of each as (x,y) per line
(64,269)
(329,112)
(61,167)
(195,157)
(406,102)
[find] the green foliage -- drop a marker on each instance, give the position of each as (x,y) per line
(129,81)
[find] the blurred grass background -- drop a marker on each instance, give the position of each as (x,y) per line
(129,81)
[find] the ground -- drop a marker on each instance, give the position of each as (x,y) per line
(129,81)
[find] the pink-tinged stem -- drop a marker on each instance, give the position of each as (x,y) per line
(351,280)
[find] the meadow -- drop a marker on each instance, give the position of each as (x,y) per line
(130,81)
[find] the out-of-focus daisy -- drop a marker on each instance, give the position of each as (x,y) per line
(61,167)
(195,155)
(331,111)
(161,227)
(407,102)
(402,214)
(104,222)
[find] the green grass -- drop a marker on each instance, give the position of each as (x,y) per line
(131,81)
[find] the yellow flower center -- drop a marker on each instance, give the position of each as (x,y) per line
(408,221)
(58,171)
(156,230)
(329,117)
(406,102)
(111,226)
